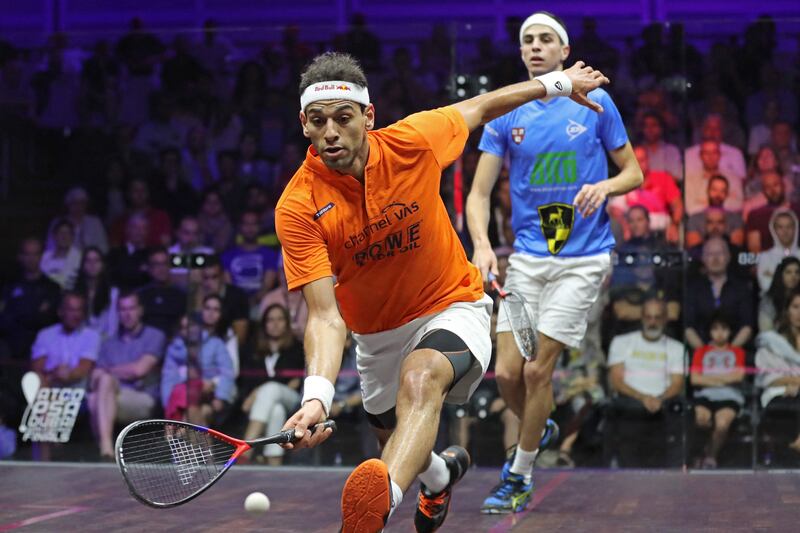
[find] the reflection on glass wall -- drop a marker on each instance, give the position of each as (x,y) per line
(142,274)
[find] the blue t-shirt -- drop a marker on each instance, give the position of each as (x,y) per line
(247,268)
(555,148)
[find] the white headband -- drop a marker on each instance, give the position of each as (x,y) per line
(545,20)
(334,90)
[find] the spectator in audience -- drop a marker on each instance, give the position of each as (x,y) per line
(773,188)
(216,229)
(646,373)
(127,264)
(112,191)
(199,163)
(760,132)
(253,167)
(362,44)
(163,302)
(778,363)
(159,227)
(731,159)
(171,189)
(757,225)
(783,141)
(125,382)
(714,220)
(211,318)
(716,369)
(661,156)
(783,284)
(230,184)
(279,352)
(187,244)
(235,309)
(29,303)
(248,265)
(772,90)
(140,51)
(89,230)
(61,263)
(764,161)
(696,187)
(64,354)
(783,226)
(258,200)
(293,301)
(94,284)
(197,379)
(714,290)
(158,133)
(658,194)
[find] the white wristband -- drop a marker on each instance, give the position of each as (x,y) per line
(556,83)
(318,388)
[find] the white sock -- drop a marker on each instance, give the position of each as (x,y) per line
(397,497)
(523,463)
(437,476)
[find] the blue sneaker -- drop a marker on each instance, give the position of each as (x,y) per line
(550,435)
(509,496)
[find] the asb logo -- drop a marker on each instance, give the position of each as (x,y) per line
(517,134)
(556,221)
(574,129)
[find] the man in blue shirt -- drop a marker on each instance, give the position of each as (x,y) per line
(559,186)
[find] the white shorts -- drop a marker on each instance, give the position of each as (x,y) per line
(379,356)
(559,292)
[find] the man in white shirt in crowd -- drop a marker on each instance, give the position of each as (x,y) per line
(646,371)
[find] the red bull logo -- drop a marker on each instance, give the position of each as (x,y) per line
(331,87)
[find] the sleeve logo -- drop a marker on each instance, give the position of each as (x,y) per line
(517,135)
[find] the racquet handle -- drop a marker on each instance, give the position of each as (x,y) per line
(496,286)
(287,435)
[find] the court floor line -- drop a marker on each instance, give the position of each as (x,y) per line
(515,518)
(41,518)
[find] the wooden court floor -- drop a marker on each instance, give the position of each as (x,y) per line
(93,497)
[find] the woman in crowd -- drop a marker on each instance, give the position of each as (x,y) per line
(778,363)
(764,161)
(197,382)
(784,282)
(211,314)
(94,283)
(216,230)
(279,353)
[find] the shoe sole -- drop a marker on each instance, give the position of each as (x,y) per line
(366,498)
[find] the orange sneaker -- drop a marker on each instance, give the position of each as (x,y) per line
(366,498)
(432,508)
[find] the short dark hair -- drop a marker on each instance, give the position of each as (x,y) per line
(719,318)
(332,66)
(719,177)
(641,208)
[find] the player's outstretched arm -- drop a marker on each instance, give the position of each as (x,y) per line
(478,205)
(574,82)
(324,344)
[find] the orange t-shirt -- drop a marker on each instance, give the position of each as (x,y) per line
(389,243)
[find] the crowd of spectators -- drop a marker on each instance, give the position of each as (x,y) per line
(159,286)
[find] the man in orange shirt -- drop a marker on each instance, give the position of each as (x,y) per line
(365,208)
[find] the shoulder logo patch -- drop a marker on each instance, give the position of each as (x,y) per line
(517,135)
(323,210)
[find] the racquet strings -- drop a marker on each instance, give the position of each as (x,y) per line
(521,325)
(167,463)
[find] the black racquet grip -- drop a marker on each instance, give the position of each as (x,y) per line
(288,435)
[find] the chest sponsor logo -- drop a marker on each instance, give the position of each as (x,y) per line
(556,222)
(553,168)
(517,135)
(574,129)
(391,214)
(403,235)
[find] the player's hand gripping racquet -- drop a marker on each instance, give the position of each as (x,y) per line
(167,463)
(519,319)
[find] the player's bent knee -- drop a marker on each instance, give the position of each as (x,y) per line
(537,376)
(420,384)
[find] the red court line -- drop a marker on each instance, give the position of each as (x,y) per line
(41,518)
(540,494)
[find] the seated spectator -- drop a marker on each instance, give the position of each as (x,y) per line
(159,227)
(783,141)
(757,224)
(248,265)
(662,156)
(171,189)
(230,184)
(772,188)
(235,308)
(696,187)
(125,382)
(216,230)
(163,302)
(28,303)
(94,284)
(158,132)
(197,381)
(764,161)
(199,163)
(211,318)
(729,159)
(112,193)
(717,368)
(658,194)
(778,363)
(62,262)
(253,167)
(89,230)
(715,290)
(64,354)
(783,284)
(279,353)
(783,226)
(760,129)
(646,372)
(258,200)
(293,301)
(715,221)
(187,244)
(127,264)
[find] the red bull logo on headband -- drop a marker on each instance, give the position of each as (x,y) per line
(331,87)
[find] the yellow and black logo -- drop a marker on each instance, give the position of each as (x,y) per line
(556,220)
